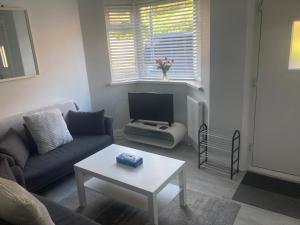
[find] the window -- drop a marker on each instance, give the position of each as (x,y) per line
(121,42)
(140,33)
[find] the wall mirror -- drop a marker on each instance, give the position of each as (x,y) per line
(17,56)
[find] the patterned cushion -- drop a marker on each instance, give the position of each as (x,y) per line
(48,129)
(18,206)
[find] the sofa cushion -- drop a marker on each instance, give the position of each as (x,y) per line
(42,170)
(86,122)
(18,206)
(13,145)
(29,141)
(5,171)
(48,129)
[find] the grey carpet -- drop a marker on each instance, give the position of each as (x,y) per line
(201,210)
(269,193)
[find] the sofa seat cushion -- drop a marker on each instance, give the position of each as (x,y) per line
(42,170)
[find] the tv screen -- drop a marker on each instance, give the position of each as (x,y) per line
(151,106)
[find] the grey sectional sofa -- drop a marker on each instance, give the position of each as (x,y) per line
(42,170)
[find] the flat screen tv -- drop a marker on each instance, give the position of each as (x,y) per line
(151,106)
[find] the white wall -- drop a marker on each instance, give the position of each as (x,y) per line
(58,43)
(113,99)
(205,12)
(251,59)
(228,38)
(232,44)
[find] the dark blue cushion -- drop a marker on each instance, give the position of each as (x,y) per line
(88,123)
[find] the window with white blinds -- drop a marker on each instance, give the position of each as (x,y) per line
(120,28)
(141,33)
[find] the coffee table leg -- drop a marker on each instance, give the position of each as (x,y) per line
(182,184)
(152,209)
(80,188)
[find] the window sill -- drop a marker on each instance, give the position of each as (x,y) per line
(190,83)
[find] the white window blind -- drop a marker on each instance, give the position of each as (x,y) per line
(121,42)
(141,33)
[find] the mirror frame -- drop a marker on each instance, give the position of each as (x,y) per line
(4,8)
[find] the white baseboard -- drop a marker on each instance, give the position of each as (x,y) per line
(274,174)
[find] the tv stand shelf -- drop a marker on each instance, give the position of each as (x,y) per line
(155,135)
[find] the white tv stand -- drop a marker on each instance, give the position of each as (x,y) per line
(154,135)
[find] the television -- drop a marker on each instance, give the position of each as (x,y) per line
(151,106)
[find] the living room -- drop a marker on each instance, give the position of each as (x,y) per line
(226,61)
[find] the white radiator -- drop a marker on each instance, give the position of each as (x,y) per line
(195,117)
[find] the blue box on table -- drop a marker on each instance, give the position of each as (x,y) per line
(129,160)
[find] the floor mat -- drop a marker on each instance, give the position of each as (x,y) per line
(268,193)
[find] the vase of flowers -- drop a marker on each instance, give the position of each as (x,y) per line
(164,65)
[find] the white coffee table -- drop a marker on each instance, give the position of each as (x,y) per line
(147,187)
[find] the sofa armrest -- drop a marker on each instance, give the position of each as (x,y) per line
(19,175)
(11,161)
(108,121)
(17,170)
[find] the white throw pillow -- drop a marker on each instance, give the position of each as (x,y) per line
(48,129)
(18,206)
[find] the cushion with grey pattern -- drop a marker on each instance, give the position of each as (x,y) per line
(18,206)
(48,129)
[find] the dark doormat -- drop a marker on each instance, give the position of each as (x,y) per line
(268,193)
